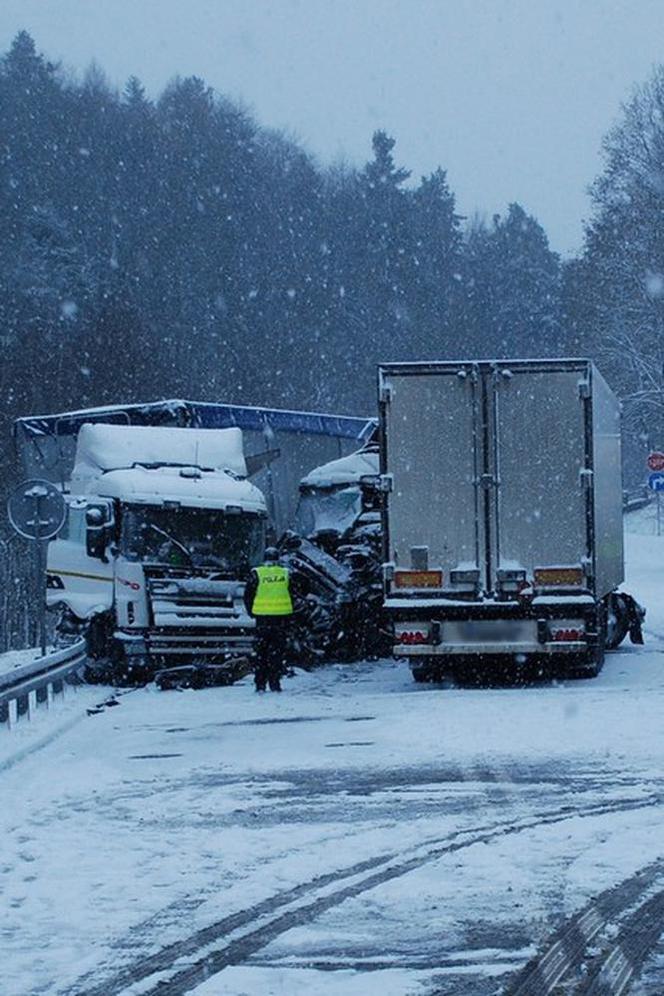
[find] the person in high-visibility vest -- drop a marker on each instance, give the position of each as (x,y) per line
(268,599)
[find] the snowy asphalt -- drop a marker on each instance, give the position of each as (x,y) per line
(357,834)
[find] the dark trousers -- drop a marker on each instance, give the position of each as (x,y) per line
(271,652)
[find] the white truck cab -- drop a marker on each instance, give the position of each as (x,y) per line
(162,530)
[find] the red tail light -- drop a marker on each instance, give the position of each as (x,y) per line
(412,637)
(567,635)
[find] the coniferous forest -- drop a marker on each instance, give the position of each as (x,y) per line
(173,248)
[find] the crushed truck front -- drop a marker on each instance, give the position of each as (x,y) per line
(163,529)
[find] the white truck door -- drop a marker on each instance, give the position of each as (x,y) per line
(83,583)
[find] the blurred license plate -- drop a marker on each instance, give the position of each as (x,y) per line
(490,631)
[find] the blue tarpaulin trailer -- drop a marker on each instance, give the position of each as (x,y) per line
(202,415)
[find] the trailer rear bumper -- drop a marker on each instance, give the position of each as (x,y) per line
(525,631)
(549,649)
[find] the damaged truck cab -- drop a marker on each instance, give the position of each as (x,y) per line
(162,530)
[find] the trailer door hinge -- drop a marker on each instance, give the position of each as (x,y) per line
(388,572)
(385,393)
(586,477)
(584,389)
(471,374)
(385,483)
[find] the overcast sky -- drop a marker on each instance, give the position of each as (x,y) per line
(511,97)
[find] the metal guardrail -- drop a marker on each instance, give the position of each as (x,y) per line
(26,687)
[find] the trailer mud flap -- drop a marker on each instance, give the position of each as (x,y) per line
(636,616)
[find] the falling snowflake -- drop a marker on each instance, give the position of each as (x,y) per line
(69,310)
(654,284)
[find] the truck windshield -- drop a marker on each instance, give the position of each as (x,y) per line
(193,537)
(322,509)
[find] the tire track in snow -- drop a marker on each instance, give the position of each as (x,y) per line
(233,939)
(566,949)
(615,974)
(499,788)
(138,944)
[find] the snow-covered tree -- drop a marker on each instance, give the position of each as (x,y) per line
(510,288)
(618,290)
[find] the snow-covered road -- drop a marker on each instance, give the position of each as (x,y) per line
(357,834)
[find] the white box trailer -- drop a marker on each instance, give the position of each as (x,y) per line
(502,520)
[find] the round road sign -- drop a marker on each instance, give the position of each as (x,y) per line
(656,461)
(36,510)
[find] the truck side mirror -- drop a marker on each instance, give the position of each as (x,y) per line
(94,518)
(98,532)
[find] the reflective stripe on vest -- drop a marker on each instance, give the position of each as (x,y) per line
(272,596)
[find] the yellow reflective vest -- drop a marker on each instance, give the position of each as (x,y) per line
(272,596)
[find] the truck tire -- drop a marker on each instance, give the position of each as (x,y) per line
(69,628)
(99,636)
(422,673)
(588,666)
(103,671)
(96,674)
(106,664)
(617,620)
(591,663)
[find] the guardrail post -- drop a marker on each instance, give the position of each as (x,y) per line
(32,703)
(12,713)
(49,695)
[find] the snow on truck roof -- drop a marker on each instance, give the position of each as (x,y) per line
(100,448)
(196,467)
(346,470)
(211,490)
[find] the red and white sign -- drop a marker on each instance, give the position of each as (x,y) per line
(656,461)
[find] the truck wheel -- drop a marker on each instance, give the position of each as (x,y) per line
(110,670)
(96,674)
(107,664)
(68,629)
(586,667)
(99,636)
(130,672)
(427,669)
(591,663)
(422,674)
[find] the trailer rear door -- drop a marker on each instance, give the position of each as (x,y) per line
(541,502)
(431,450)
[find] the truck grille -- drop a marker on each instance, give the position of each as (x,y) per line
(196,602)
